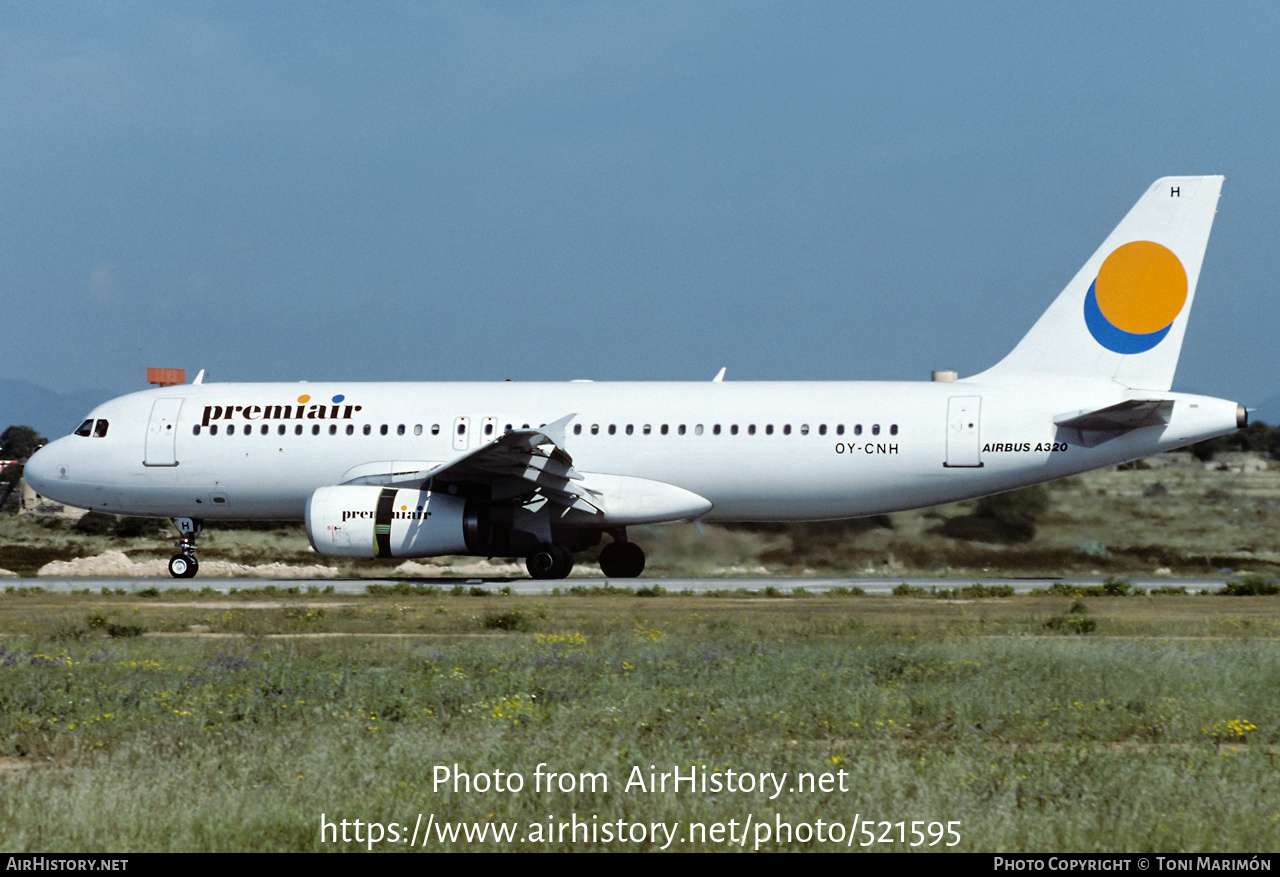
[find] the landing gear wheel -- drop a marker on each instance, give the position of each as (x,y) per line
(183,566)
(622,560)
(549,560)
(566,559)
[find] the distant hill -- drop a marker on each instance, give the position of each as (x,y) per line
(48,413)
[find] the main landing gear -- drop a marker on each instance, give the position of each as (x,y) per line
(549,560)
(621,560)
(618,560)
(184,565)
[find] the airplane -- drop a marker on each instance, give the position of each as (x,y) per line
(544,470)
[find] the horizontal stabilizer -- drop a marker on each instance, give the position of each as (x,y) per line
(1092,428)
(1134,414)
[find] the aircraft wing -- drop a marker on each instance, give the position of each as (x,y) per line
(519,463)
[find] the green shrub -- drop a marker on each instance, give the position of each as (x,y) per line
(1077,624)
(842,591)
(979,591)
(1252,586)
(96,524)
(1005,517)
(511,619)
(1114,587)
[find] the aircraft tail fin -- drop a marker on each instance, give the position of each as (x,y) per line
(1123,316)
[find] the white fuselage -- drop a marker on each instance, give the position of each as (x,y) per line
(754,451)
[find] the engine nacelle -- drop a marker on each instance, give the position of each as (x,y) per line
(356,521)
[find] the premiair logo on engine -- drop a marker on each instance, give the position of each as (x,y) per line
(303,409)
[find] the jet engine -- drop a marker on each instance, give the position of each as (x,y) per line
(356,521)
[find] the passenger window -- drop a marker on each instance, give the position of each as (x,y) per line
(612,429)
(488,429)
(893,429)
(400,429)
(804,429)
(733,430)
(697,430)
(786,430)
(595,429)
(768,429)
(213,429)
(417,429)
(85,429)
(382,430)
(333,429)
(857,429)
(664,429)
(231,429)
(875,429)
(840,429)
(822,429)
(751,430)
(630,429)
(368,428)
(100,429)
(577,429)
(647,428)
(195,430)
(435,429)
(280,429)
(315,430)
(297,430)
(680,429)
(715,430)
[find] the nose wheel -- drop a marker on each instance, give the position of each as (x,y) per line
(184,565)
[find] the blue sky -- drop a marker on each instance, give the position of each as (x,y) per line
(622,191)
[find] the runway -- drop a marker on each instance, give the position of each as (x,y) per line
(532,587)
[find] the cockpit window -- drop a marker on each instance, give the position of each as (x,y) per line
(85,429)
(100,429)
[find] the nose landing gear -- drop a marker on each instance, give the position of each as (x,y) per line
(184,564)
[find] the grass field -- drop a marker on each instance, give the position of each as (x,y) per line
(1036,723)
(1178,519)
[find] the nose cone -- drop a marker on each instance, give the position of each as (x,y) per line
(41,471)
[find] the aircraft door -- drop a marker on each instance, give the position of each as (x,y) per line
(461,433)
(964,446)
(488,430)
(162,433)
